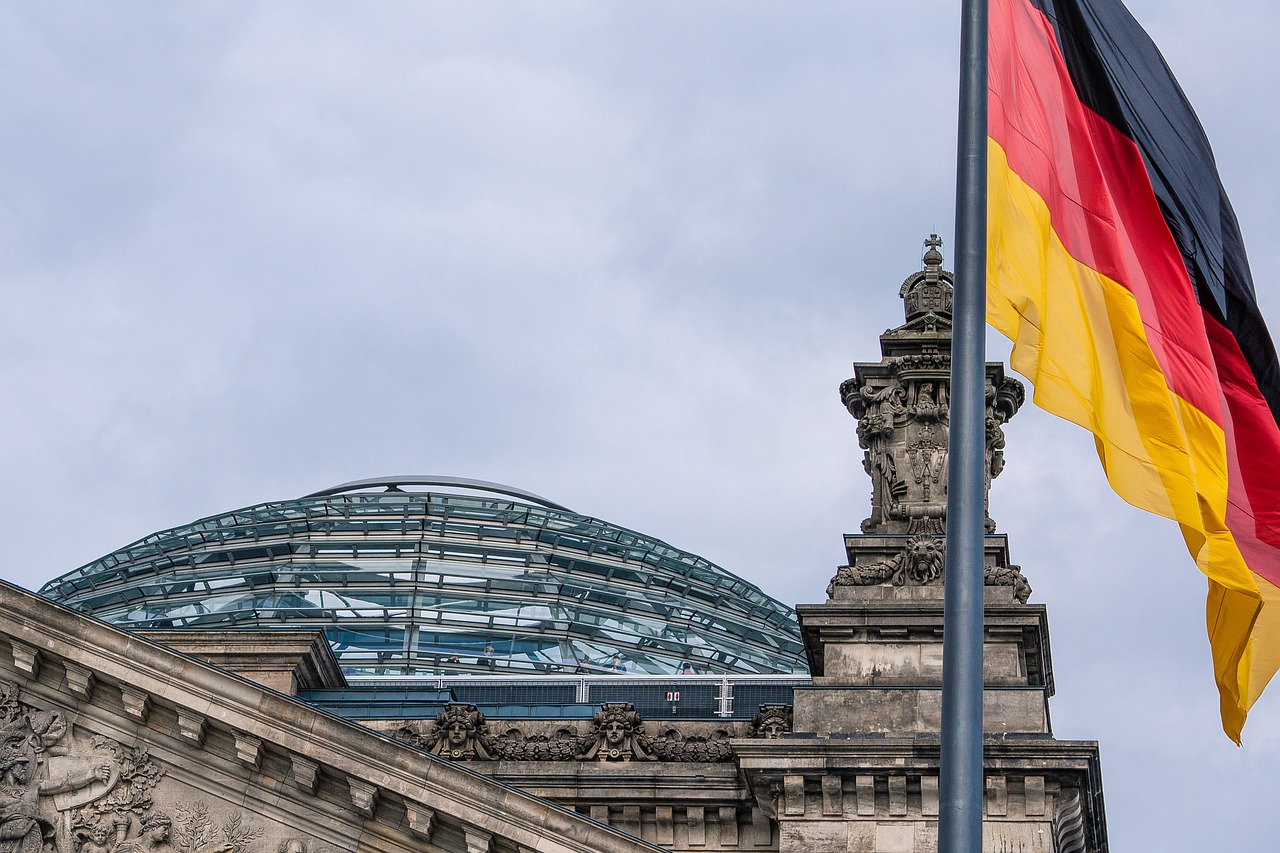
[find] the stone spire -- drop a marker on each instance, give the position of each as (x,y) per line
(902,404)
(859,768)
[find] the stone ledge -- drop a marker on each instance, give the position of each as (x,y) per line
(284,660)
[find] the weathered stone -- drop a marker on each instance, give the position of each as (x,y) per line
(193,786)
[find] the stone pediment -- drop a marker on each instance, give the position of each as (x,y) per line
(112,743)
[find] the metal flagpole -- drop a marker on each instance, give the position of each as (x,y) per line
(960,785)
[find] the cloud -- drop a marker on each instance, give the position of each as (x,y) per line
(618,254)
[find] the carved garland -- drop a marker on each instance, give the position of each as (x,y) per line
(617,733)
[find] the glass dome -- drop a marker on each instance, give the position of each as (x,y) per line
(433,575)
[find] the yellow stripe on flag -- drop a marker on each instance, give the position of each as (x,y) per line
(1079,337)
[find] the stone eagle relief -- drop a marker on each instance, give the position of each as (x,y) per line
(61,793)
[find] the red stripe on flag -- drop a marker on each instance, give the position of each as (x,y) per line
(1253,451)
(1100,200)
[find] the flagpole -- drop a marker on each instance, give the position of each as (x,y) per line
(960,786)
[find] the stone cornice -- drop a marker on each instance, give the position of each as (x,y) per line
(199,691)
(303,657)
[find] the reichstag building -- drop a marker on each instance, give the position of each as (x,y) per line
(437,665)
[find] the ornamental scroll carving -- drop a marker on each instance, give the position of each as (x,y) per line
(922,562)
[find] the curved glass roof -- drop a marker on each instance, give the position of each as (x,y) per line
(478,578)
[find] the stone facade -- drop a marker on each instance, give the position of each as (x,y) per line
(197,741)
(113,743)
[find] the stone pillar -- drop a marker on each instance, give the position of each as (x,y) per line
(859,769)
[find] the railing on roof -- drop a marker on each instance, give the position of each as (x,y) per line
(656,697)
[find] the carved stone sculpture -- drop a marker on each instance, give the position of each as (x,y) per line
(919,563)
(903,409)
(565,745)
(922,562)
(1009,576)
(771,721)
(460,733)
(617,734)
(39,770)
(674,746)
(59,794)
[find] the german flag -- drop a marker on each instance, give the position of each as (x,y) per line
(1116,266)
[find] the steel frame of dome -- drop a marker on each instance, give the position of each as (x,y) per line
(436,582)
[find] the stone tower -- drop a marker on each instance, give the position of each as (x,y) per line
(859,771)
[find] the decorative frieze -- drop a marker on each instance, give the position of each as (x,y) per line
(921,562)
(894,796)
(617,732)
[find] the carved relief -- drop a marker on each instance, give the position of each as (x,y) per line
(903,403)
(126,808)
(771,721)
(45,784)
(195,831)
(460,732)
(617,733)
(922,562)
(672,745)
(565,745)
(1009,576)
(902,425)
(62,791)
(919,563)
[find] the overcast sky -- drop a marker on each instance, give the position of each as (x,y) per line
(620,254)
